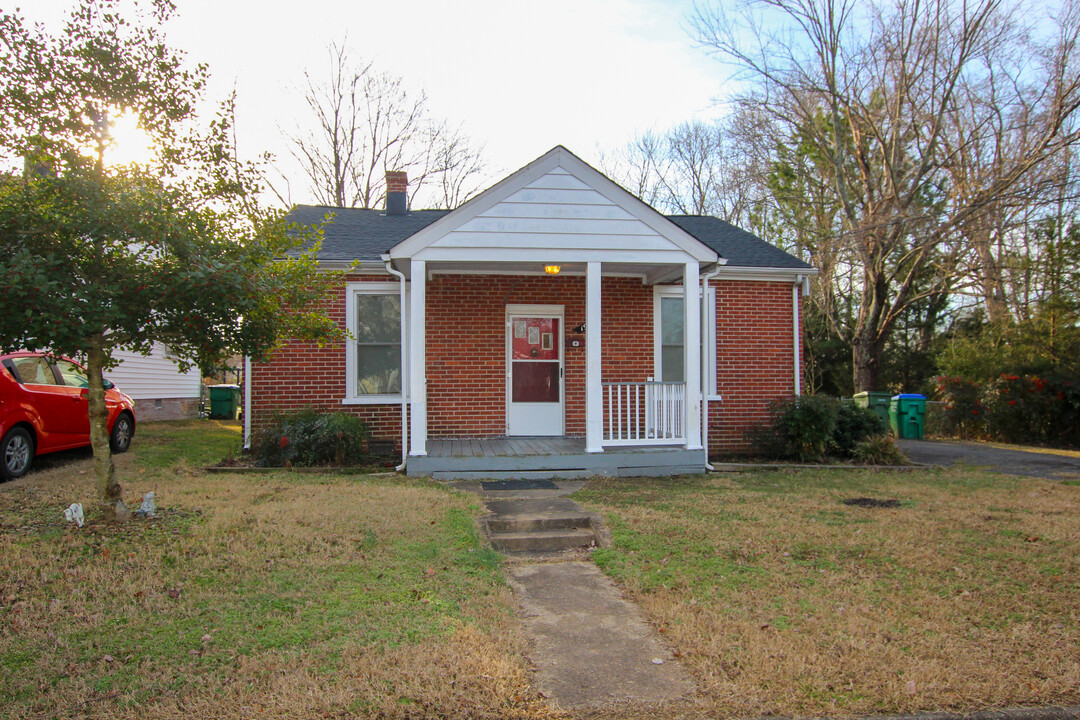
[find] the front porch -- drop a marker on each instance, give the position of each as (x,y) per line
(534,458)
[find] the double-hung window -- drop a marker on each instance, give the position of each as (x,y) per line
(669,338)
(373,354)
(672,351)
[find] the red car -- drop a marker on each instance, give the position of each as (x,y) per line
(43,408)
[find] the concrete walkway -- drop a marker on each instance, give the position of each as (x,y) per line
(591,647)
(1043,464)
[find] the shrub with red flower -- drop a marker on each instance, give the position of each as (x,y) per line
(961,417)
(1013,408)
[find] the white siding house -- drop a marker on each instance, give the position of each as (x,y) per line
(158,387)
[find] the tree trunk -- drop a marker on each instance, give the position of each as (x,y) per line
(112,505)
(866,361)
(991,282)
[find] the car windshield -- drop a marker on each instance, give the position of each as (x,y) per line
(34,371)
(73,375)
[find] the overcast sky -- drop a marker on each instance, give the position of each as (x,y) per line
(520,77)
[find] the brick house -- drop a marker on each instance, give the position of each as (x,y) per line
(554,325)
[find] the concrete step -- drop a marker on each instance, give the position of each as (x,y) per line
(535,523)
(541,541)
(533,506)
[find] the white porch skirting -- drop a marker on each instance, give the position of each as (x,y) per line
(535,458)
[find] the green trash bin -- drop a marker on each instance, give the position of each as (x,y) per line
(224,401)
(906,414)
(876,401)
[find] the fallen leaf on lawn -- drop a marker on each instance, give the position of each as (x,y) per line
(430,572)
(173,593)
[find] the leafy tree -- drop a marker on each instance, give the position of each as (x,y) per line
(99,257)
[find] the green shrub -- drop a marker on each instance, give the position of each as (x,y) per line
(799,428)
(877,450)
(311,438)
(854,424)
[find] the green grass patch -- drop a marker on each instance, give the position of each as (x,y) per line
(198,442)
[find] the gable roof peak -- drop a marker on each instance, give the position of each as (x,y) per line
(591,179)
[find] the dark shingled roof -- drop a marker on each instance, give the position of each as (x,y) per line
(357,234)
(738,247)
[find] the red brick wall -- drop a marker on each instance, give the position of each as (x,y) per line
(754,362)
(466,345)
(302,375)
(466,349)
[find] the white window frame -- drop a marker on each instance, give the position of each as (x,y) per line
(352,290)
(708,335)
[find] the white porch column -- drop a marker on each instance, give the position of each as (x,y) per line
(594,392)
(417,358)
(692,354)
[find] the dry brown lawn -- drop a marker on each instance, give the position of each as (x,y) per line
(782,600)
(315,596)
(277,596)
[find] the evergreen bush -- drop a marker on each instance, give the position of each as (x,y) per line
(311,438)
(799,428)
(854,424)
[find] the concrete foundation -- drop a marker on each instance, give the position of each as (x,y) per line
(166,409)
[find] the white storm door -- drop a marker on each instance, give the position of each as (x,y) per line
(534,371)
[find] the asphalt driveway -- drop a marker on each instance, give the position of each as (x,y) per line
(1042,464)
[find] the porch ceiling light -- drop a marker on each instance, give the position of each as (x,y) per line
(552,269)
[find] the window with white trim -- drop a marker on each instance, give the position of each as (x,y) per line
(373,353)
(669,352)
(671,360)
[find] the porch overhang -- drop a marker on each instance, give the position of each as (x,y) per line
(671,415)
(653,270)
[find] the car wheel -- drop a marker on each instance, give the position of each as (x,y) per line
(16,453)
(120,439)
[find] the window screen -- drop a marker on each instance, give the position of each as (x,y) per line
(671,339)
(378,344)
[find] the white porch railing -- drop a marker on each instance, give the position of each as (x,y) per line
(644,413)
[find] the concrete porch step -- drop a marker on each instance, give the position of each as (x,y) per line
(539,525)
(543,541)
(536,523)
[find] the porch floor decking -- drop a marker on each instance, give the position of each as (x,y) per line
(503,458)
(505,446)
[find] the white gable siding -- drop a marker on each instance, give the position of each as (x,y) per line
(154,376)
(557,210)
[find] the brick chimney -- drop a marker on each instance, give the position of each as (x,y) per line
(397,188)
